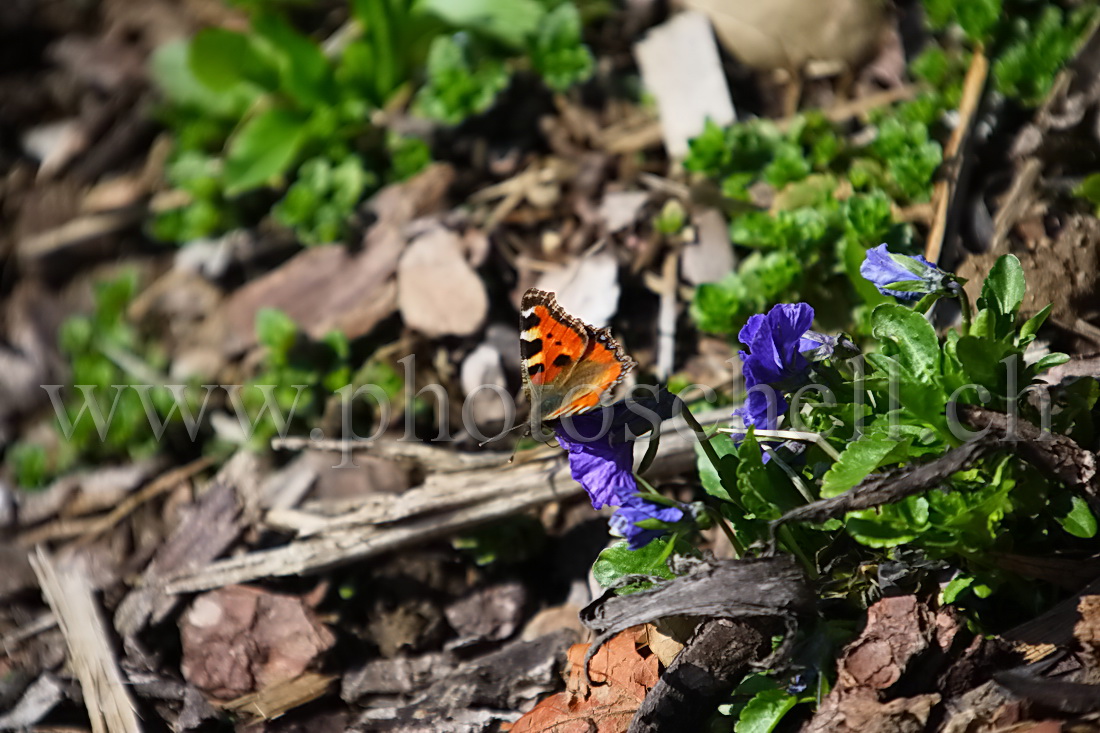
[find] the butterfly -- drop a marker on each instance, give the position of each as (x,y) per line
(567,364)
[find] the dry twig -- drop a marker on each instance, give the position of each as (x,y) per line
(443,505)
(68,593)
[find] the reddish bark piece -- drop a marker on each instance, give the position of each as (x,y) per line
(238,640)
(898,629)
(859,711)
(622,678)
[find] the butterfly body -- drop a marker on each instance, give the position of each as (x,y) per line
(567,364)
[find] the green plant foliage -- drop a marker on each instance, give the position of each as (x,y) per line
(1089,190)
(298,376)
(815,232)
(458,86)
(321,199)
(272,110)
(1029,41)
(408,156)
(765,711)
(557,52)
(619,561)
(888,409)
(108,419)
(833,198)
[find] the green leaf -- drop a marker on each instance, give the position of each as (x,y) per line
(890,525)
(510,22)
(764,711)
(221,59)
(918,347)
(557,52)
(263,148)
(982,358)
(1033,324)
(1025,68)
(28,462)
(955,587)
(716,479)
(1079,521)
(1004,288)
(172,72)
(619,560)
(1048,361)
(1089,189)
(408,155)
(724,306)
(764,489)
(977,18)
(277,331)
(304,72)
(858,459)
(456,88)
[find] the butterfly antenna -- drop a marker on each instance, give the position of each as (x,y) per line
(495,438)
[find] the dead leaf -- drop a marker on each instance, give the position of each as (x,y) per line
(709,258)
(787,34)
(661,644)
(329,287)
(1087,630)
(438,293)
(588,287)
(54,144)
(620,209)
(622,677)
(482,370)
(240,639)
(554,618)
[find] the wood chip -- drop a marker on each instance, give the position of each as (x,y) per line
(773,587)
(276,699)
(37,700)
(438,292)
(212,525)
(710,258)
(680,66)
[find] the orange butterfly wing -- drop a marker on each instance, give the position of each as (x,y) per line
(567,364)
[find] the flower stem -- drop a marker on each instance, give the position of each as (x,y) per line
(738,548)
(787,538)
(701,434)
(646,486)
(964,307)
(712,456)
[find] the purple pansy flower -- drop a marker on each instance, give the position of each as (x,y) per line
(884,269)
(775,359)
(636,509)
(601,445)
(601,458)
(605,469)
